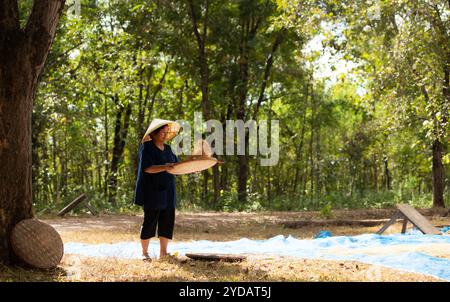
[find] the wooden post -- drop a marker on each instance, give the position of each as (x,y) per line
(393,219)
(405,223)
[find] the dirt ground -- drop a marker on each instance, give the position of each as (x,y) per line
(232,226)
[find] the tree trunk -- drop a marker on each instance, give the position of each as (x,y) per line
(311,148)
(180,113)
(375,173)
(299,153)
(242,178)
(387,175)
(142,105)
(242,169)
(254,180)
(202,55)
(98,163)
(438,175)
(267,70)
(437,147)
(22,57)
(155,94)
(224,178)
(120,136)
(204,194)
(269,186)
(438,167)
(204,81)
(216,181)
(317,168)
(142,108)
(106,150)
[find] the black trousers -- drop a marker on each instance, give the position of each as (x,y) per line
(161,220)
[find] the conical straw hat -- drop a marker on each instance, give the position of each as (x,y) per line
(174,128)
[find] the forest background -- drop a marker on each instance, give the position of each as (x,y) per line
(360,88)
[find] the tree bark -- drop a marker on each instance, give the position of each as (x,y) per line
(98,162)
(120,136)
(249,28)
(437,147)
(269,186)
(438,175)
(106,150)
(387,175)
(142,107)
(375,173)
(311,146)
(317,169)
(216,182)
(269,63)
(202,55)
(22,57)
(204,81)
(299,153)
(153,100)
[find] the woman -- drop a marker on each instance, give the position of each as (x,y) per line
(155,188)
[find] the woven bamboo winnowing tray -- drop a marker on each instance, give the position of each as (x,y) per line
(37,243)
(193,165)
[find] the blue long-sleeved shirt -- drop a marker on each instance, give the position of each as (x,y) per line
(156,190)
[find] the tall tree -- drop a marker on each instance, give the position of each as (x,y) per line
(120,136)
(23,52)
(201,38)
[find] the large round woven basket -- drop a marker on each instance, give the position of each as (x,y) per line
(37,243)
(193,165)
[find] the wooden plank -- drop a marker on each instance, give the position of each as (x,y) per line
(393,219)
(72,205)
(216,257)
(417,219)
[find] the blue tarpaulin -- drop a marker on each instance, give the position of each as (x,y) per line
(326,248)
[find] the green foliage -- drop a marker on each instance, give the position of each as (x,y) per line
(351,139)
(326,211)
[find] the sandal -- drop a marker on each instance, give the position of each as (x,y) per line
(146,258)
